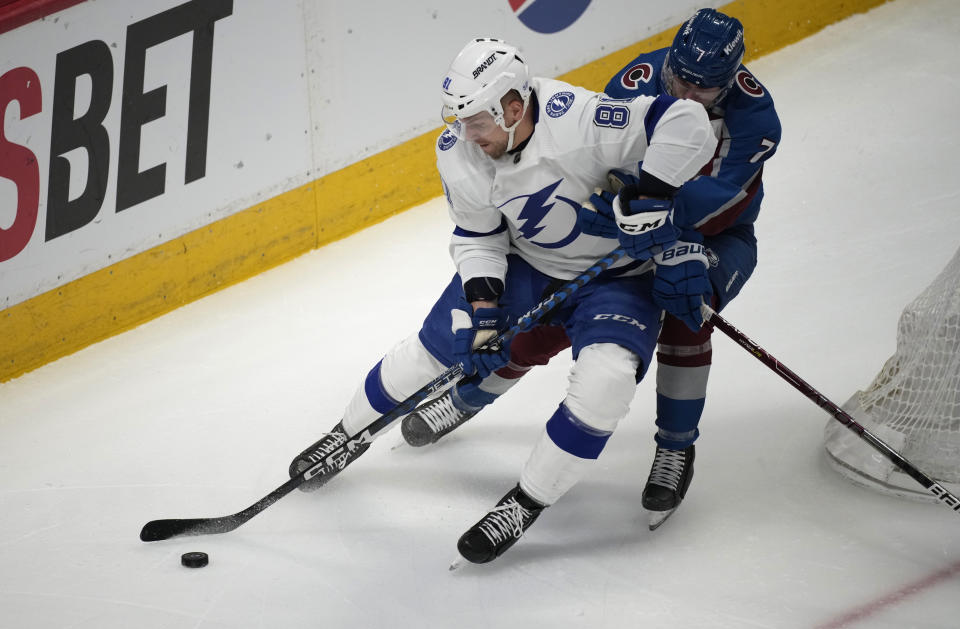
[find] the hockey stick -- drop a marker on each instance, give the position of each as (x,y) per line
(932,486)
(156,530)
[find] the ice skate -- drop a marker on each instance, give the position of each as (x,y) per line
(431,421)
(500,528)
(667,484)
(319,451)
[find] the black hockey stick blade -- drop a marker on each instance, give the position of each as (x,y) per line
(157,530)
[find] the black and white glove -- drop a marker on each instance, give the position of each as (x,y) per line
(645,223)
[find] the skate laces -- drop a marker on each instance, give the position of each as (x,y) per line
(505,520)
(441,413)
(667,468)
(328,444)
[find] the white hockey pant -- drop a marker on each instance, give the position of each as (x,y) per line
(602,385)
(405,368)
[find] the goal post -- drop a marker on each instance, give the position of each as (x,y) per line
(914,402)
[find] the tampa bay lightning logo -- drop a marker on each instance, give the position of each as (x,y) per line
(447,139)
(535,210)
(559,104)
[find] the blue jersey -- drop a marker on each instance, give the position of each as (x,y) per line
(729,188)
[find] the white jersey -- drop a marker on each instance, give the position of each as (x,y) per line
(526,202)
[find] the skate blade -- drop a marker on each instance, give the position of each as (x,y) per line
(659,517)
(456,564)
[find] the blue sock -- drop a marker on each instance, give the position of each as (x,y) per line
(677,421)
(467,396)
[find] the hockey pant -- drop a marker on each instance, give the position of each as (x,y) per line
(612,329)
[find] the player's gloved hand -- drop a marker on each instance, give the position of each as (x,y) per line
(646,224)
(681,283)
(472,331)
(595,216)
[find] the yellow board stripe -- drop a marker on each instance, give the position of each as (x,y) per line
(147,285)
(130,292)
(378,187)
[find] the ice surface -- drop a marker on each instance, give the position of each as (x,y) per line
(199,412)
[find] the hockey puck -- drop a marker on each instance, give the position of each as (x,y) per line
(194,560)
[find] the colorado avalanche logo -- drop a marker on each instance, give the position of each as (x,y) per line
(712,258)
(548,16)
(749,84)
(633,76)
(559,231)
(559,104)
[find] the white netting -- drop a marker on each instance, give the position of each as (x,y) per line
(914,402)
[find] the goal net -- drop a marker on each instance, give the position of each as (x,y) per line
(913,404)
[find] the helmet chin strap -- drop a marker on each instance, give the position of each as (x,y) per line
(512,129)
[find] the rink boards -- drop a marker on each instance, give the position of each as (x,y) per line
(156,152)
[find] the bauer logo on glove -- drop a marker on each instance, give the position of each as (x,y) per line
(682,252)
(681,283)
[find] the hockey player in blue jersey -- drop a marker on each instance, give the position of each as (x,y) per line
(722,203)
(518,156)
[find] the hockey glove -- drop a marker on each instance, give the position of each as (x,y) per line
(471,335)
(595,217)
(646,224)
(681,283)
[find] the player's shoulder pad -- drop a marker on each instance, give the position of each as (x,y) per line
(750,109)
(564,109)
(446,141)
(573,116)
(557,99)
(458,159)
(639,77)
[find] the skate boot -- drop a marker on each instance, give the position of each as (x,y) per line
(319,452)
(428,423)
(500,528)
(669,479)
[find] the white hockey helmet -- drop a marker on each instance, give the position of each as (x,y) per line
(480,75)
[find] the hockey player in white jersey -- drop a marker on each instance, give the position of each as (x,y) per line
(517,158)
(704,63)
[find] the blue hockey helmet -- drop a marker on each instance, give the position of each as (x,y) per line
(707,49)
